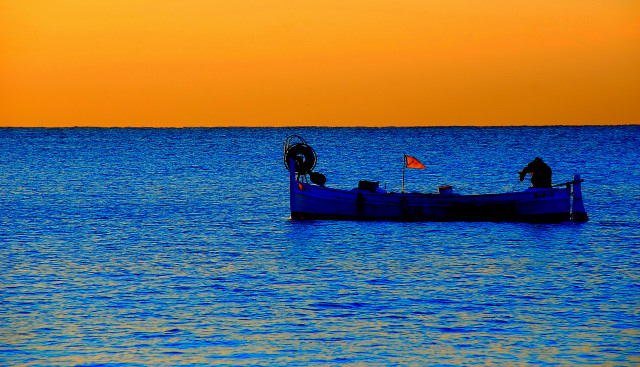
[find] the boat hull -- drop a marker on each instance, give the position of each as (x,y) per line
(310,202)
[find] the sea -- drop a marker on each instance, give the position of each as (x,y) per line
(172,247)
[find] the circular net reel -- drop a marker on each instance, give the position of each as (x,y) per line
(302,154)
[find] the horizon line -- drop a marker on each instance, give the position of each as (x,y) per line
(208,126)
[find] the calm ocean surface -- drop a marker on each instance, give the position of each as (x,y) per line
(127,247)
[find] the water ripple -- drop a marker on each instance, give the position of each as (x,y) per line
(135,247)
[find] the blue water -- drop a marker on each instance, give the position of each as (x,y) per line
(174,247)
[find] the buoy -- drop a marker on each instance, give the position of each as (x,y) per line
(578,214)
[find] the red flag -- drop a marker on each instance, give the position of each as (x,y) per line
(413,163)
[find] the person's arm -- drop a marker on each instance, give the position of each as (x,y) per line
(524,172)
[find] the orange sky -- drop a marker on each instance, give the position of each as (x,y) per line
(312,62)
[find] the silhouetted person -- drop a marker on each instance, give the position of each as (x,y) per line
(540,173)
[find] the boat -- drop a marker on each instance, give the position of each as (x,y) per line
(310,199)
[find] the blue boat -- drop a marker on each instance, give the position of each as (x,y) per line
(311,200)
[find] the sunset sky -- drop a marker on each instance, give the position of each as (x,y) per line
(329,62)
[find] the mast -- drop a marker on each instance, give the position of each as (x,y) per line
(404,163)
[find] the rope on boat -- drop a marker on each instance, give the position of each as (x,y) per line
(516,185)
(568,183)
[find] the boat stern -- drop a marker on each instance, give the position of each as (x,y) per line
(578,213)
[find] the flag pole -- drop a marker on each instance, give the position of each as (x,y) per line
(404,163)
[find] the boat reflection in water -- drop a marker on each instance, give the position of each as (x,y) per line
(312,200)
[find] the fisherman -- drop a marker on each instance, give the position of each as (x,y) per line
(540,174)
